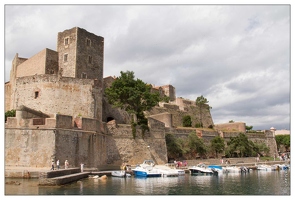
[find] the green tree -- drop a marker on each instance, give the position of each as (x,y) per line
(218,145)
(283,140)
(174,146)
(196,144)
(249,128)
(133,96)
(187,121)
(260,148)
(240,145)
(10,113)
(201,103)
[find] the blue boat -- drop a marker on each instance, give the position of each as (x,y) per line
(146,169)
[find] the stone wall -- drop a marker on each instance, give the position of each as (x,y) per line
(178,114)
(266,137)
(94,144)
(66,46)
(101,146)
(7,96)
(235,126)
(44,62)
(29,147)
(51,94)
(90,54)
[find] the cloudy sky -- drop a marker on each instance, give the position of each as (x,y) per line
(237,56)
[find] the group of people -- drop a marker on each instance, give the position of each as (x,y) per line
(57,164)
(226,161)
(180,164)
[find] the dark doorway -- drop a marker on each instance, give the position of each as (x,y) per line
(110,119)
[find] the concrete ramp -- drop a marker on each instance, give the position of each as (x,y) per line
(61,177)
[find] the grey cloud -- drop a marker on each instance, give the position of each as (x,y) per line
(237,56)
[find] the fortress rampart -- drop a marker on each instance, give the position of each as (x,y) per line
(62,113)
(53,94)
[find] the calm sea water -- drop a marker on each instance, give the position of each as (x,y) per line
(252,183)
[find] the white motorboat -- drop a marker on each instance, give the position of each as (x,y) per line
(120,173)
(231,169)
(181,172)
(167,171)
(264,167)
(146,169)
(200,169)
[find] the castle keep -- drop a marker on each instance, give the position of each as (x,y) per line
(61,111)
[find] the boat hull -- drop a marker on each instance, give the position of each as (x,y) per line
(118,173)
(200,172)
(146,174)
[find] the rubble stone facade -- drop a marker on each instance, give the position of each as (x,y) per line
(62,113)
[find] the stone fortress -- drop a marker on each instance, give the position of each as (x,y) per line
(62,113)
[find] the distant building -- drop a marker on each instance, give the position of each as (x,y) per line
(282,132)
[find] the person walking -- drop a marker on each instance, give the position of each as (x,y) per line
(52,165)
(66,164)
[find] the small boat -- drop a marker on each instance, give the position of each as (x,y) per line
(146,169)
(120,173)
(94,177)
(284,166)
(172,166)
(231,169)
(181,172)
(264,167)
(200,169)
(166,171)
(244,169)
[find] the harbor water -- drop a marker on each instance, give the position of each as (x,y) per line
(253,183)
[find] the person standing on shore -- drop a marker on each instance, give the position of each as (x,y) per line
(52,165)
(66,164)
(82,167)
(57,164)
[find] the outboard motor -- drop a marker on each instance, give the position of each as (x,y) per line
(244,169)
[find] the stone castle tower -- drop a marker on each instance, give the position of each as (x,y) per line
(80,54)
(67,81)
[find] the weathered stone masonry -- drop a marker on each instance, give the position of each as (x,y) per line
(62,112)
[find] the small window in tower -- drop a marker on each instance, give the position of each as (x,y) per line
(88,42)
(65,57)
(36,94)
(89,59)
(83,75)
(66,41)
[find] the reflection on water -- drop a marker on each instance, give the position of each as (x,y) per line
(253,183)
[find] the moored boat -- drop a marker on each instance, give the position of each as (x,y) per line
(166,171)
(120,173)
(200,169)
(231,169)
(217,169)
(264,167)
(146,169)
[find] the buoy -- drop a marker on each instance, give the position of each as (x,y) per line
(103,177)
